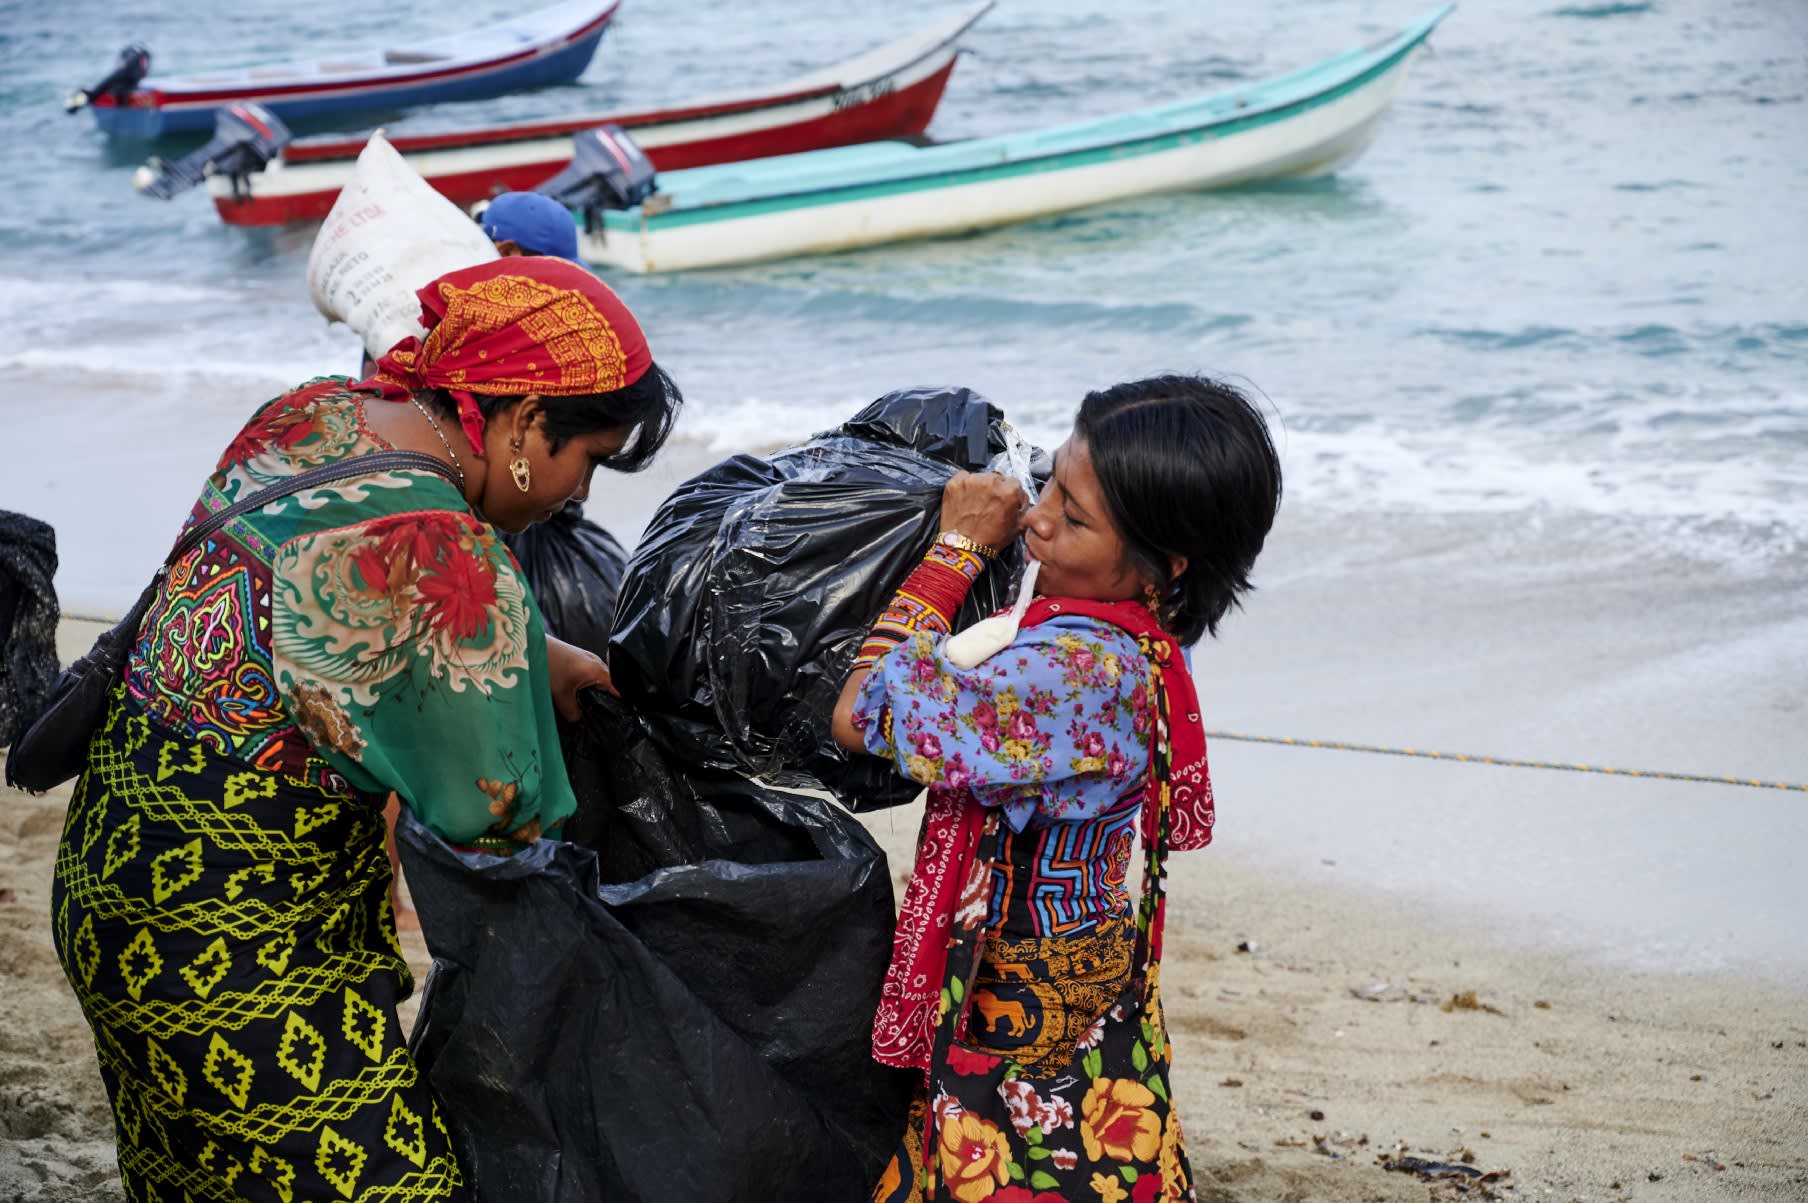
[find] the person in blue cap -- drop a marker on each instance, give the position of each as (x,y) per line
(528,223)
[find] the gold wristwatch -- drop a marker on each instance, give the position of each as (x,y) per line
(951,538)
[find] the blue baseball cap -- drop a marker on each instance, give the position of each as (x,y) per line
(537,224)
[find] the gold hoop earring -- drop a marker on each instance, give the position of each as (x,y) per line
(520,469)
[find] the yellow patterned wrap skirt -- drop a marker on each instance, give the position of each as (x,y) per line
(228,934)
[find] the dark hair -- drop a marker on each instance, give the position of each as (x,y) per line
(1187,469)
(649,407)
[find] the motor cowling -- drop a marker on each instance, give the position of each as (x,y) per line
(608,170)
(128,72)
(245,138)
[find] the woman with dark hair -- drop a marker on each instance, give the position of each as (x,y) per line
(221,903)
(1022,984)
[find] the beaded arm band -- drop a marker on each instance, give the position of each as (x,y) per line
(926,601)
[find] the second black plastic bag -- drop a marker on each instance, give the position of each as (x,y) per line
(748,596)
(28,620)
(675,1004)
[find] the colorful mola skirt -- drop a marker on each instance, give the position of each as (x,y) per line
(228,935)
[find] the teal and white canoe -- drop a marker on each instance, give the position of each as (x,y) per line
(1300,124)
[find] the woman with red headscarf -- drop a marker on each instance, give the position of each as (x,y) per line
(1023,983)
(221,903)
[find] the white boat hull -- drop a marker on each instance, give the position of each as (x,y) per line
(1309,143)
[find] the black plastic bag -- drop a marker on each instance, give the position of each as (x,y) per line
(754,585)
(684,1012)
(575,569)
(28,620)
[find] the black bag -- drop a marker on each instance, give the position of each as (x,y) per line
(674,1002)
(754,585)
(574,568)
(55,747)
(28,619)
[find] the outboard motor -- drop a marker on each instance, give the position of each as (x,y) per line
(245,137)
(134,64)
(607,171)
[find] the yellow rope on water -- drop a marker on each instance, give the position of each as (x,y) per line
(94,618)
(1503,761)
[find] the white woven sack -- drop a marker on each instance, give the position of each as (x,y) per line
(389,234)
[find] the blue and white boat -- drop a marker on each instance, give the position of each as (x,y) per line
(531,50)
(1304,123)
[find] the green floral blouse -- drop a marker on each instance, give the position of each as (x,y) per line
(370,635)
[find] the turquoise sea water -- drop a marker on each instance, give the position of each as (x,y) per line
(1569,277)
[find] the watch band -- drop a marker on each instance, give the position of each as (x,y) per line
(951,538)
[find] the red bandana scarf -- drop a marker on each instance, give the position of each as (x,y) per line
(950,877)
(524,324)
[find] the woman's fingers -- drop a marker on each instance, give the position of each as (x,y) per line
(983,506)
(573,669)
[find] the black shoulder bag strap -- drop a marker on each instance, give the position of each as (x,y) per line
(313,478)
(53,748)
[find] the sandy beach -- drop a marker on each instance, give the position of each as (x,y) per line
(1301,1064)
(1572,987)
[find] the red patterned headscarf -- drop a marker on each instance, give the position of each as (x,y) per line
(513,326)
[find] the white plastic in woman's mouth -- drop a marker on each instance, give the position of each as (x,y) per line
(989,636)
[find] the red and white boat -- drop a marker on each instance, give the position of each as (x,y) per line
(889,92)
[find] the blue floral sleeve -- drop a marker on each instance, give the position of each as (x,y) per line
(1054,727)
